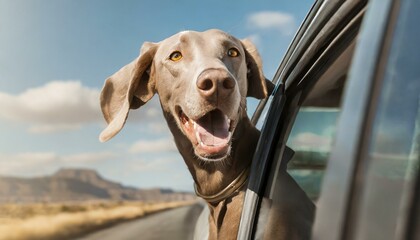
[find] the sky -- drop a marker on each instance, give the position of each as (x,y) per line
(56,55)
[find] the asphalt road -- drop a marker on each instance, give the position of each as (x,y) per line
(171,224)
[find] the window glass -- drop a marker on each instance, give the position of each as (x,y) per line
(392,161)
(294,191)
(311,139)
(310,115)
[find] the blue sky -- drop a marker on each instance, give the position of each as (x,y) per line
(55,56)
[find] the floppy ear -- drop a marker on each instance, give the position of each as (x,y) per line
(256,81)
(129,88)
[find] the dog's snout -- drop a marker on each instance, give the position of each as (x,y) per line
(215,82)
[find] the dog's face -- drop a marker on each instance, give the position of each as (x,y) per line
(202,79)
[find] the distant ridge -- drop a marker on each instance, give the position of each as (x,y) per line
(78,185)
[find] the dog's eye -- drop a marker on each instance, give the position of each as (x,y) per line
(175,56)
(233,52)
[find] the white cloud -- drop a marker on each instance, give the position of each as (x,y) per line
(151,111)
(158,127)
(29,158)
(150,146)
(152,171)
(88,157)
(156,164)
(58,105)
(311,141)
(256,39)
(38,129)
(272,20)
(25,163)
(42,163)
(62,106)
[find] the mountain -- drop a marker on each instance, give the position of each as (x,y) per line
(78,185)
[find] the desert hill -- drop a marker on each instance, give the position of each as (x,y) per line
(78,185)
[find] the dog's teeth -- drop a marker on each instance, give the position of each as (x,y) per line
(230,126)
(197,135)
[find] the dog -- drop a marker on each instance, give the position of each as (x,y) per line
(203,80)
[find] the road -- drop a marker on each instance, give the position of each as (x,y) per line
(172,224)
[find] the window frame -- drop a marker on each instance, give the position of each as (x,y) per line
(340,178)
(369,70)
(330,19)
(340,185)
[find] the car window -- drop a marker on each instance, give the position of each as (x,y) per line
(311,113)
(313,131)
(311,138)
(308,107)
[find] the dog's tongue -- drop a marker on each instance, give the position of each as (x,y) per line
(213,129)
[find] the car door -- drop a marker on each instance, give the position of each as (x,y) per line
(324,110)
(371,186)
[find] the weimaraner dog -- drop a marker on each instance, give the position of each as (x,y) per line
(203,79)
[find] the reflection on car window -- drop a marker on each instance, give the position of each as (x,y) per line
(287,210)
(311,139)
(392,161)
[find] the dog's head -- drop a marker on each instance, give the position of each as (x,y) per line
(202,79)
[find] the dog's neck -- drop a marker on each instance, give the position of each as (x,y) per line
(235,186)
(212,177)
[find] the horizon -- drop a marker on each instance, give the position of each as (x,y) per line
(94,171)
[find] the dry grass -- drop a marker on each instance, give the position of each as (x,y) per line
(64,221)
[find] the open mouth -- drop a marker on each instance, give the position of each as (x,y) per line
(210,134)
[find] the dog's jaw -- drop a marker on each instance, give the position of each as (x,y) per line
(210,134)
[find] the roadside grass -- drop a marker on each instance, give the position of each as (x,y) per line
(69,220)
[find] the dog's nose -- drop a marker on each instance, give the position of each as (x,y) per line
(215,83)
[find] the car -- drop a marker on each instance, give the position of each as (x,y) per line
(347,107)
